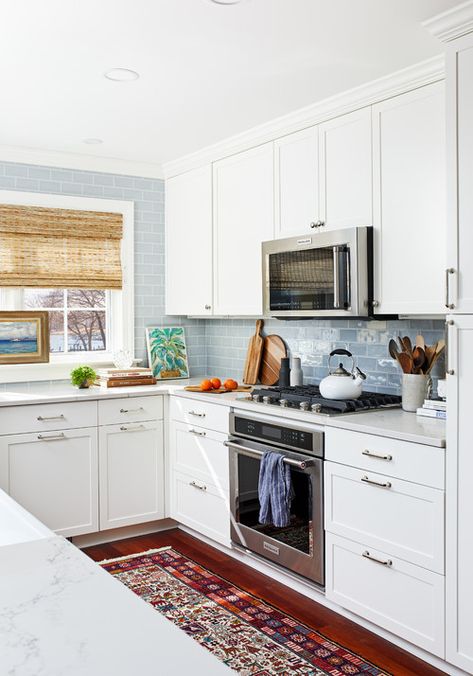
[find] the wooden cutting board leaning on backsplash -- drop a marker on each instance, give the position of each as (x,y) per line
(274,349)
(253,356)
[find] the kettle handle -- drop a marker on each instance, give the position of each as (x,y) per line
(343,352)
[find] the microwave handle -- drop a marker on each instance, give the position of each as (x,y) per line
(340,280)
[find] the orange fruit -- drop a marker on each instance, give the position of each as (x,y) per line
(205,385)
(216,383)
(230,384)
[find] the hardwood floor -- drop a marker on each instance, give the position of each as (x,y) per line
(375,649)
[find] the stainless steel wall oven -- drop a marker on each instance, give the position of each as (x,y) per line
(299,546)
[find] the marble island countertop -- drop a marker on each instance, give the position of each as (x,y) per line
(61,613)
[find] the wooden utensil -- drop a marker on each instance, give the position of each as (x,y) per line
(440,346)
(253,356)
(429,355)
(274,349)
(407,345)
(406,361)
(393,349)
(419,359)
(420,342)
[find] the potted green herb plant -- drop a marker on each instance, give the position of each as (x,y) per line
(83,377)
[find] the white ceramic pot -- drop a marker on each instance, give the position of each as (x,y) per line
(414,390)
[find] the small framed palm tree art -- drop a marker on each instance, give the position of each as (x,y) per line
(167,352)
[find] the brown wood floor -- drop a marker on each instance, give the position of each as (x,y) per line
(337,628)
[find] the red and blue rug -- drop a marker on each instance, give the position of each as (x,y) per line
(247,634)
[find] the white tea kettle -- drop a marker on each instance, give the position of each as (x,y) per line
(340,383)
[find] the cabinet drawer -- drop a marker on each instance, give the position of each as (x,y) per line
(196,412)
(404,599)
(199,452)
(45,417)
(130,409)
(200,506)
(402,459)
(404,519)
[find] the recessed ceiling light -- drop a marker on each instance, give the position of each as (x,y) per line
(93,141)
(121,75)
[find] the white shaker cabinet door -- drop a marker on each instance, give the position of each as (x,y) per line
(131,474)
(409,202)
(189,243)
(54,476)
(296,166)
(243,219)
(346,184)
(459,468)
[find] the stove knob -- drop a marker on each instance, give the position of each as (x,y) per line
(267,400)
(316,408)
(304,405)
(284,403)
(256,397)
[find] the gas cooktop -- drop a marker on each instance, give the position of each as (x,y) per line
(308,398)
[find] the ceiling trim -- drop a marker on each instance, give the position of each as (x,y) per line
(452,24)
(413,77)
(54,158)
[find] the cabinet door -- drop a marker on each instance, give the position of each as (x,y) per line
(409,202)
(459,563)
(54,476)
(243,216)
(460,172)
(296,182)
(131,474)
(189,243)
(346,186)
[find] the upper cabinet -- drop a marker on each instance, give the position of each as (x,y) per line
(189,243)
(409,202)
(243,219)
(323,176)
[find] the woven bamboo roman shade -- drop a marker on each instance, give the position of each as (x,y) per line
(59,248)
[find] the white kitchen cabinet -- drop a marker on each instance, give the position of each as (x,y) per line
(296,167)
(409,202)
(189,243)
(345,169)
(200,452)
(459,543)
(243,219)
(131,465)
(54,475)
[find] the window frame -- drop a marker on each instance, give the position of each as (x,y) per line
(121,330)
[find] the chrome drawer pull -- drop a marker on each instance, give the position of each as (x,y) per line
(367,555)
(124,428)
(132,410)
(196,485)
(376,455)
(53,437)
(387,484)
(198,415)
(50,417)
(197,434)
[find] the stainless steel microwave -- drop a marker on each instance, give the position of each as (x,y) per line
(328,274)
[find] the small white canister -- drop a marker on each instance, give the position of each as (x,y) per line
(414,390)
(296,377)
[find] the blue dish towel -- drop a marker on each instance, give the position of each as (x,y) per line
(274,490)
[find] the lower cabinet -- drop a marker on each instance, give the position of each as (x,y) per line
(55,477)
(131,470)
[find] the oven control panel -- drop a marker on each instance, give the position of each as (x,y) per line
(286,437)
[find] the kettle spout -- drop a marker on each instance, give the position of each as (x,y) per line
(358,376)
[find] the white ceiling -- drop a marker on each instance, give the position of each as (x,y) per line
(207,71)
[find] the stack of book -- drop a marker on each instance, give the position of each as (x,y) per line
(125,377)
(434,408)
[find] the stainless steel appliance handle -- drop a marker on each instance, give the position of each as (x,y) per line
(370,454)
(44,418)
(367,555)
(300,464)
(386,484)
(52,437)
(336,278)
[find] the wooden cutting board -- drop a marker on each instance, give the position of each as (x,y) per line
(221,390)
(253,356)
(274,349)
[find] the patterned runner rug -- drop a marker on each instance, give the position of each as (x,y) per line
(247,634)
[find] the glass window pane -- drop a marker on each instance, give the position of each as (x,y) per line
(39,298)
(85,298)
(86,331)
(56,331)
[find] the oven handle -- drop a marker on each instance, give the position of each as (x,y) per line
(300,464)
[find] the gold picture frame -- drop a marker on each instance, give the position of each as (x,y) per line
(24,336)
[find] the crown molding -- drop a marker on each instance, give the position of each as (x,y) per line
(452,24)
(401,81)
(54,158)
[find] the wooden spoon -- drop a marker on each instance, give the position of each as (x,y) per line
(407,345)
(406,362)
(429,355)
(438,351)
(419,359)
(393,349)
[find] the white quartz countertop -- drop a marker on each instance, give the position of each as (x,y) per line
(392,423)
(61,613)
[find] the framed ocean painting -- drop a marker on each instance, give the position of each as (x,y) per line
(167,352)
(24,337)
